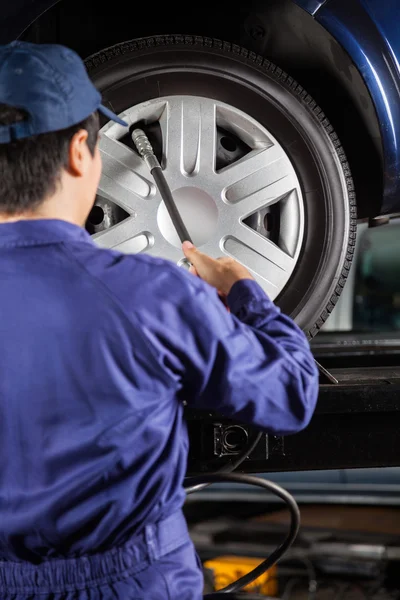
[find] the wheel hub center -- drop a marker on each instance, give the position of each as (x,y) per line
(198,211)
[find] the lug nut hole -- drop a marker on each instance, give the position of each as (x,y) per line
(96,216)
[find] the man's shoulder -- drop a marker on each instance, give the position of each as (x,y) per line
(136,278)
(103,261)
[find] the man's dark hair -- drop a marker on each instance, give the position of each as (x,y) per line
(30,169)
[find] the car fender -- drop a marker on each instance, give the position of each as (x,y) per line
(311,6)
(368,31)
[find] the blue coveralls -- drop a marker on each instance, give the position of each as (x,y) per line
(97,352)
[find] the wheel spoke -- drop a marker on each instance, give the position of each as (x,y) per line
(123,154)
(268,275)
(160,247)
(266,196)
(109,189)
(123,179)
(118,234)
(189,135)
(269,164)
(263,256)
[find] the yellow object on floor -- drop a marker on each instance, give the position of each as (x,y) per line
(228,569)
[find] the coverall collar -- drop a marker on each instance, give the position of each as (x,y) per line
(39,232)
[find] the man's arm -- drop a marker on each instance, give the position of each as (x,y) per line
(253,364)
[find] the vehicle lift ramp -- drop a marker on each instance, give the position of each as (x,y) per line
(356,424)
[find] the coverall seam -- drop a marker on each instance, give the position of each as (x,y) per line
(30,242)
(94,583)
(249,299)
(120,307)
(151,562)
(107,579)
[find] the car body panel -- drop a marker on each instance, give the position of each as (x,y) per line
(311,6)
(370,35)
(386,17)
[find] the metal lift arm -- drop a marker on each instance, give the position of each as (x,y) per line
(356,424)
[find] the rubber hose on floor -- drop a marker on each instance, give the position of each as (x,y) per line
(277,554)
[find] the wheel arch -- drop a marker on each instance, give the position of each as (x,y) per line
(290,37)
(277,29)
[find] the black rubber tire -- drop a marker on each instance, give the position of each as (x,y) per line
(139,70)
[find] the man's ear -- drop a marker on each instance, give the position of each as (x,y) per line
(78,153)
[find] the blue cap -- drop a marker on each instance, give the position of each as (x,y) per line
(51,83)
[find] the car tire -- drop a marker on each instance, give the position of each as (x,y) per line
(140,70)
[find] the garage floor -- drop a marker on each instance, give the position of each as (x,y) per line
(352,552)
(379,520)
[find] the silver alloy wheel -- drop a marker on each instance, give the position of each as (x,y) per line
(215,204)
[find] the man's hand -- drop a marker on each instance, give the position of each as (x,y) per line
(221,274)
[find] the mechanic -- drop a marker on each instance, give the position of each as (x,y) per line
(98,351)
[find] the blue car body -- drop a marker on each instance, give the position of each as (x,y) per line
(369,30)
